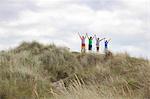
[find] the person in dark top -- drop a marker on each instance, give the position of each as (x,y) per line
(106,45)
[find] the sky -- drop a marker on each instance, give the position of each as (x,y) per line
(126,22)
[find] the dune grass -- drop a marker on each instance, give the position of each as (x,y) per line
(37,71)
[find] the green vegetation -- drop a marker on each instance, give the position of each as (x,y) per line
(36,71)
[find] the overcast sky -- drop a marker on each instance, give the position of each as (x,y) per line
(126,22)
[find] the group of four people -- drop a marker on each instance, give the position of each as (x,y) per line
(98,40)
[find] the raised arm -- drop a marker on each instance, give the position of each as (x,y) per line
(79,35)
(109,40)
(87,36)
(102,39)
(95,36)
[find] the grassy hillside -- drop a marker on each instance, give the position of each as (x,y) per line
(36,71)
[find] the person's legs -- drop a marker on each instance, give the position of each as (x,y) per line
(97,48)
(83,48)
(90,47)
(106,50)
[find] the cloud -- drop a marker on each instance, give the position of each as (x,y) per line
(10,9)
(100,4)
(58,21)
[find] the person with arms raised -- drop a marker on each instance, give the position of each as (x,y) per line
(90,42)
(83,49)
(98,40)
(106,45)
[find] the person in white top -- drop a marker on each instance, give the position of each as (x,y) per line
(98,40)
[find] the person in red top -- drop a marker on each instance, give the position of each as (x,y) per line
(83,49)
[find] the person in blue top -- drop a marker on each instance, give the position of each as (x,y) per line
(106,45)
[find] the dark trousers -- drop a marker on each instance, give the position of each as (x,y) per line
(97,49)
(90,47)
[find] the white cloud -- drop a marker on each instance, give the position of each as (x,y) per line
(125,21)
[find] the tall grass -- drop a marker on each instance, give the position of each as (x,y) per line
(37,71)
